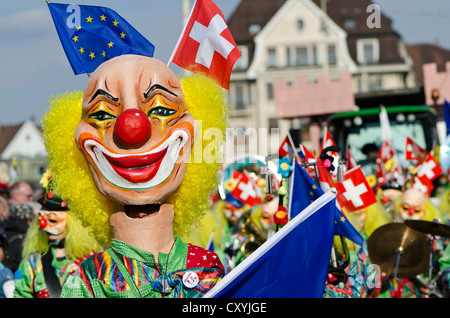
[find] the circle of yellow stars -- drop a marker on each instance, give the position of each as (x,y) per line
(110,44)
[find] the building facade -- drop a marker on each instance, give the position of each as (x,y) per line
(292,47)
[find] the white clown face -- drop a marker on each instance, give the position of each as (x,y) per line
(413,205)
(136,132)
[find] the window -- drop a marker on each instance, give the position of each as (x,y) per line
(368,51)
(242,62)
(269,91)
(271,57)
(254,28)
(314,55)
(350,24)
(301,56)
(375,83)
(288,57)
(239,89)
(300,24)
(273,123)
(332,60)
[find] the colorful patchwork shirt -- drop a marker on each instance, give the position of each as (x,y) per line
(30,279)
(125,271)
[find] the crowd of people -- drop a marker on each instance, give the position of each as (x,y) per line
(39,234)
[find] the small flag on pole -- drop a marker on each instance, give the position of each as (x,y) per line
(91,35)
(206,45)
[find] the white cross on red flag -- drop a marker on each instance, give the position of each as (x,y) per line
(246,190)
(413,151)
(354,192)
(427,171)
(206,45)
(386,151)
(307,157)
(327,140)
(286,148)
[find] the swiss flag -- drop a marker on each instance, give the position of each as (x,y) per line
(427,171)
(381,172)
(425,188)
(354,192)
(351,163)
(286,148)
(326,181)
(247,190)
(327,140)
(305,156)
(386,151)
(206,45)
(413,151)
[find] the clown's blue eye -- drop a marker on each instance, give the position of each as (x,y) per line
(162,111)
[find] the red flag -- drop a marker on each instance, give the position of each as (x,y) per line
(286,148)
(428,170)
(325,179)
(413,151)
(356,193)
(425,188)
(308,158)
(386,151)
(351,163)
(327,140)
(247,191)
(206,45)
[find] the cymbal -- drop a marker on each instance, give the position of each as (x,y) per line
(433,228)
(391,240)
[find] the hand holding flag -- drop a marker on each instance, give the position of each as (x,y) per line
(206,45)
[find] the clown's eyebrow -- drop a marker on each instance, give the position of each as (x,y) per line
(102,92)
(157,86)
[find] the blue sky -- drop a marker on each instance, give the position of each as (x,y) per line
(33,66)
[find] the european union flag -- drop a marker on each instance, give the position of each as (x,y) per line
(91,35)
(293,263)
(304,191)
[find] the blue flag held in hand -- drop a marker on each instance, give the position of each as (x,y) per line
(91,35)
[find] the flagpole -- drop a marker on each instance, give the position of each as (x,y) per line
(186,18)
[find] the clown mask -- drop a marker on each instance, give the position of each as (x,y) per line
(413,205)
(54,223)
(135,132)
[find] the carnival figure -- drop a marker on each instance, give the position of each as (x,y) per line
(54,245)
(131,183)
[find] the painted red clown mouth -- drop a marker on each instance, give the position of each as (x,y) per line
(137,168)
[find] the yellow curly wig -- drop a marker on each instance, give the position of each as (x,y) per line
(205,100)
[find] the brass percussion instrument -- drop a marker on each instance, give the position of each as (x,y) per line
(254,235)
(399,250)
(433,228)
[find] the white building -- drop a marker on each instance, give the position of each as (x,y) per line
(301,40)
(22,149)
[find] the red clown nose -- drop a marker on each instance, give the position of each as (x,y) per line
(132,129)
(42,223)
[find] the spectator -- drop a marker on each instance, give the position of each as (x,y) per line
(19,220)
(21,193)
(4,190)
(6,275)
(4,211)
